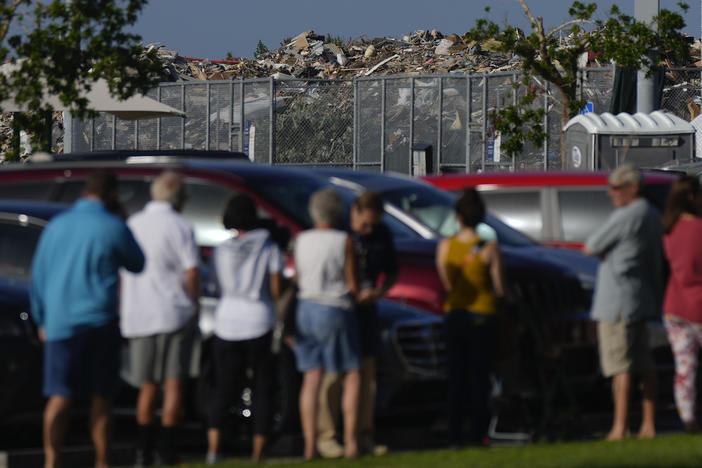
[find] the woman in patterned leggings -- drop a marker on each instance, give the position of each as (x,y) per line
(682,306)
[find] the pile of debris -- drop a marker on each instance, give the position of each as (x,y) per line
(309,56)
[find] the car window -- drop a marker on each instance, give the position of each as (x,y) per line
(132,193)
(520,209)
(204,207)
(34,190)
(17,244)
(431,207)
(582,211)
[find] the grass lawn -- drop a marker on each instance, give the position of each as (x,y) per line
(665,451)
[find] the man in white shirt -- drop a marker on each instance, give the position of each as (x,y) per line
(159,311)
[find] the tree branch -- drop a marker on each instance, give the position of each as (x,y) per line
(535,23)
(568,23)
(10,16)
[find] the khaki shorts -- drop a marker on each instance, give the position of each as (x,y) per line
(164,356)
(624,347)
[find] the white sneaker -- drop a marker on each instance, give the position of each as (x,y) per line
(330,449)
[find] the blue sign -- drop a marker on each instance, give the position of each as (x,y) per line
(589,107)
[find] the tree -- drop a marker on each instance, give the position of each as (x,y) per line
(619,37)
(261,49)
(61,46)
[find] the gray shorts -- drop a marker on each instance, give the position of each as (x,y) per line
(624,347)
(156,358)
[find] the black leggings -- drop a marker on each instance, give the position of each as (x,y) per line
(471,341)
(231,358)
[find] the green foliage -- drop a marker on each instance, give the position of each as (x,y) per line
(60,47)
(520,123)
(261,49)
(336,40)
(618,37)
(229,55)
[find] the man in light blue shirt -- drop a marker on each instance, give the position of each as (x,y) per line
(74,304)
(628,293)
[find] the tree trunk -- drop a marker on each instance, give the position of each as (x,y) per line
(565,117)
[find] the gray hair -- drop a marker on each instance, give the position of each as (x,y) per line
(326,206)
(626,174)
(168,186)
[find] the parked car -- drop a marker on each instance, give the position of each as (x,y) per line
(411,355)
(20,350)
(557,208)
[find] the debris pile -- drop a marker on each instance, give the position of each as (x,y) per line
(308,55)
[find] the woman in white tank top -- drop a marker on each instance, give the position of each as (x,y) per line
(326,338)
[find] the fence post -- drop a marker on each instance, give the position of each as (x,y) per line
(271,120)
(136,134)
(241,119)
(514,103)
(182,124)
(382,125)
(469,116)
(485,122)
(67,132)
(546,126)
(92,134)
(411,128)
(354,147)
(231,113)
(158,122)
(113,136)
(440,127)
(207,116)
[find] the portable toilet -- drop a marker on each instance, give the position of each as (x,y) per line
(605,141)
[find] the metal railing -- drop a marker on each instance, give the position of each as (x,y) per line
(369,123)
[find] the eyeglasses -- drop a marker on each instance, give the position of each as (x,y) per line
(617,186)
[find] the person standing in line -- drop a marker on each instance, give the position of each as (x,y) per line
(628,293)
(682,305)
(246,272)
(159,313)
(326,339)
(74,304)
(375,254)
(471,272)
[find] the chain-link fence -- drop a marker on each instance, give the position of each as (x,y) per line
(371,123)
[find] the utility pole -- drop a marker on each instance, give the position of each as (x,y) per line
(645,10)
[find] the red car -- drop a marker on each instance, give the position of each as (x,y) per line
(557,208)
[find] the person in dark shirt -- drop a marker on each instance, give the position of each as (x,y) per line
(377,272)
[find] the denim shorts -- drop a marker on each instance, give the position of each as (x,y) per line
(327,337)
(84,364)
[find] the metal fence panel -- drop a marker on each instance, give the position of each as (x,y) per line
(367,123)
(171,128)
(314,122)
(681,93)
(369,134)
(257,103)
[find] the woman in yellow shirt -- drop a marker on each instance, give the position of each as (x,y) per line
(471,271)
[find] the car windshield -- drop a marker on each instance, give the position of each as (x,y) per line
(293,195)
(17,244)
(434,208)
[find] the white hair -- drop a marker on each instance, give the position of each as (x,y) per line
(326,206)
(626,174)
(168,186)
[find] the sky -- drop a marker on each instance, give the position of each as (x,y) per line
(212,28)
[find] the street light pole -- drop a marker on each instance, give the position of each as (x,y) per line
(645,10)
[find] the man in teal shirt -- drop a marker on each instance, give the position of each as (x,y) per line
(74,304)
